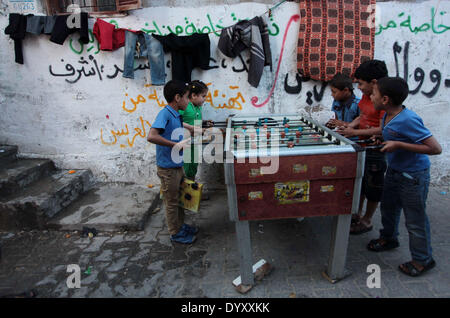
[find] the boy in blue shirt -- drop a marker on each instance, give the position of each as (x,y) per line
(407,143)
(167,133)
(345,104)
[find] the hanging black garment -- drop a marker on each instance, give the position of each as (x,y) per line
(16,29)
(188,52)
(61,30)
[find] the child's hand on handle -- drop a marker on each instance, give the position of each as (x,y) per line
(376,140)
(347,131)
(336,123)
(330,124)
(183,144)
(208,123)
(389,146)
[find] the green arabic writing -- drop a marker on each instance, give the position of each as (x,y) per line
(190,27)
(92,44)
(439,29)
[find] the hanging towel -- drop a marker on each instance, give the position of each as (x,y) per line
(188,52)
(61,31)
(16,29)
(334,37)
(248,34)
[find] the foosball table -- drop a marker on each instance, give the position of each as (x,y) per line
(289,166)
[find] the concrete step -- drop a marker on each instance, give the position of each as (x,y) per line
(7,154)
(34,205)
(20,173)
(109,207)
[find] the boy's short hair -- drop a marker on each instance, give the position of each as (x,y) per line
(370,70)
(396,88)
(174,87)
(197,87)
(341,81)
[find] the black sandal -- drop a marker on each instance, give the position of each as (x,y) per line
(378,246)
(410,270)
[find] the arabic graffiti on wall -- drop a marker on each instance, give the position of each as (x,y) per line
(408,24)
(75,73)
(210,27)
(296,89)
(235,102)
(90,67)
(78,48)
(121,137)
(435,75)
(140,131)
(419,75)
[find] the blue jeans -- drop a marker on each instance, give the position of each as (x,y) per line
(150,48)
(408,191)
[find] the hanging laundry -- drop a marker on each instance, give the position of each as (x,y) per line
(138,45)
(16,30)
(61,30)
(38,24)
(248,34)
(334,37)
(109,37)
(188,52)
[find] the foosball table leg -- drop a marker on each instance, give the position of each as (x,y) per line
(245,252)
(338,253)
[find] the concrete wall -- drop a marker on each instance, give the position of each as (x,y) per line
(49,112)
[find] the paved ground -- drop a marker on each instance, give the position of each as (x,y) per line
(146,264)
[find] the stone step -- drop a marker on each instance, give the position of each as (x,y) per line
(34,205)
(109,207)
(20,173)
(7,154)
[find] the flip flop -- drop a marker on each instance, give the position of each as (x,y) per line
(412,271)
